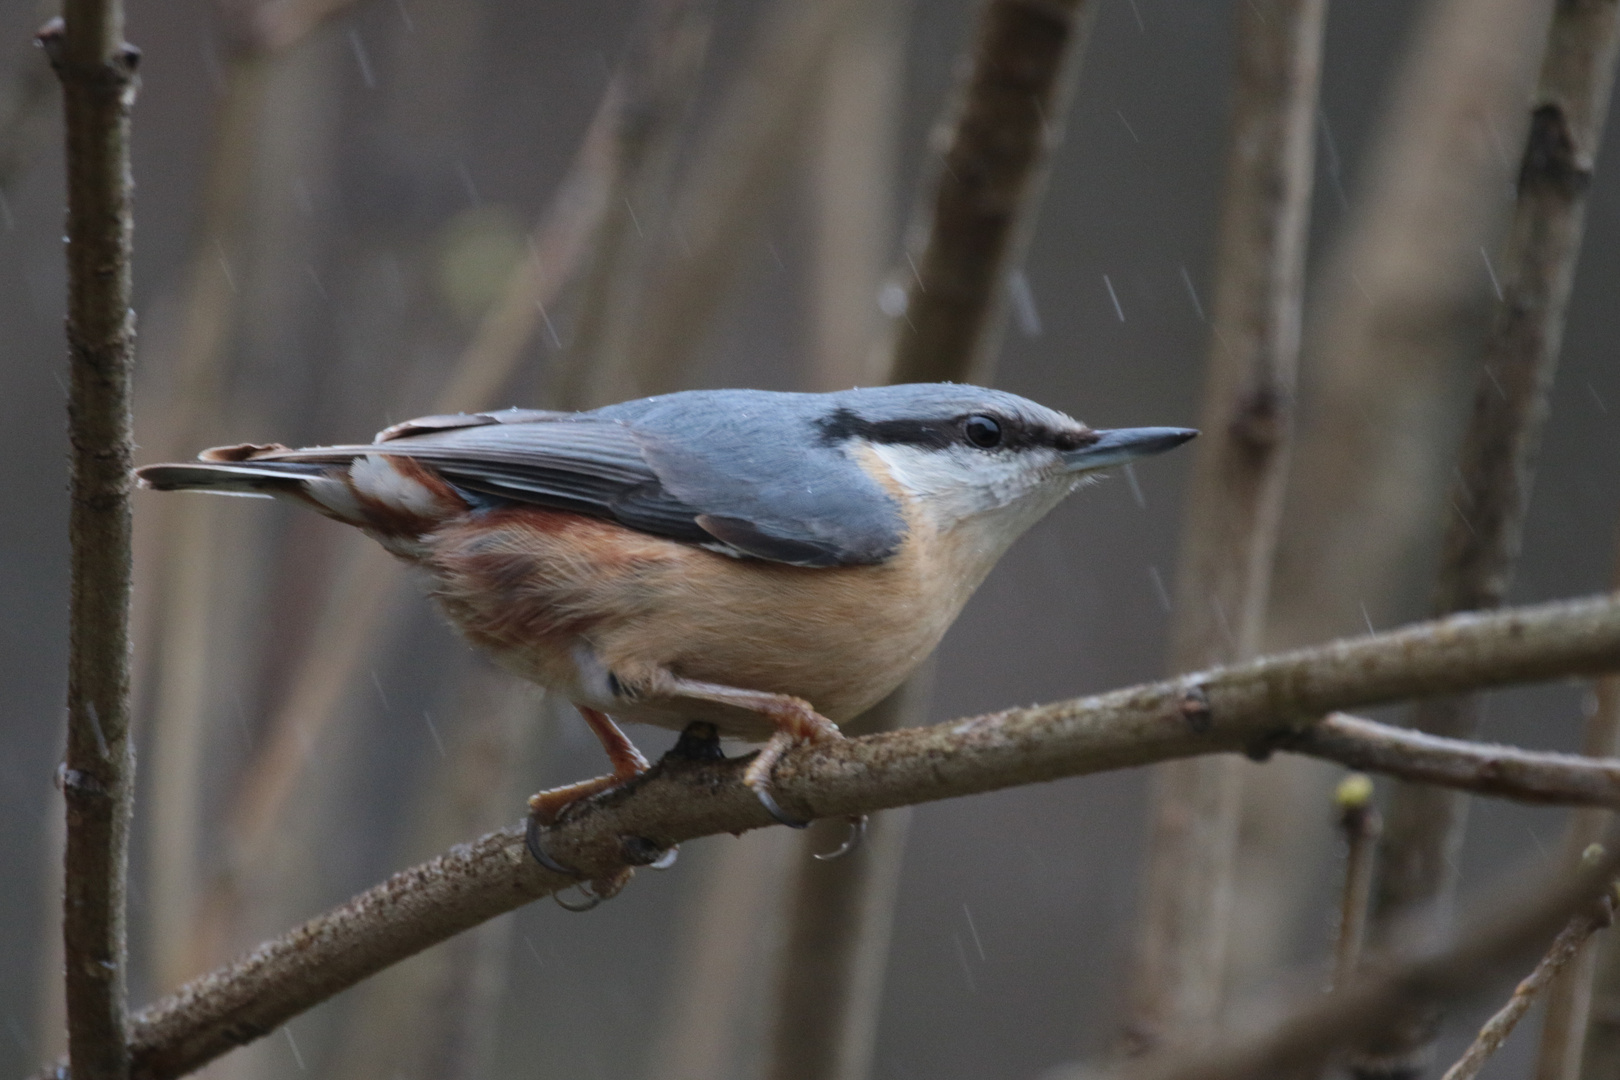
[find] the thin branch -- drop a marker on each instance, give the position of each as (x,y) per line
(97,70)
(1229,534)
(1393,315)
(1455,764)
(1568,1029)
(1313,1033)
(737,174)
(1569,942)
(369,583)
(189,548)
(1359,821)
(1598,1056)
(1569,1001)
(1025,65)
(1243,706)
(658,82)
(1485,523)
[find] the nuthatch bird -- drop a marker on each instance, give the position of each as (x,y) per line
(770,563)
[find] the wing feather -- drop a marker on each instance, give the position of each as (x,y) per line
(616,468)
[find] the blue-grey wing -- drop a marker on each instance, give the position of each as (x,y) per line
(726,467)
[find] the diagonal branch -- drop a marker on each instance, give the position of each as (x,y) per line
(1249,706)
(1569,944)
(1325,1023)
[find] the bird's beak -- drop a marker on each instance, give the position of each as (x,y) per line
(1125,444)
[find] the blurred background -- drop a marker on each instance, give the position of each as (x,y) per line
(349,214)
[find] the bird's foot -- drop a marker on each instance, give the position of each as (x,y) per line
(797,726)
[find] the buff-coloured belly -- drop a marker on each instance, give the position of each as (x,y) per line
(553,595)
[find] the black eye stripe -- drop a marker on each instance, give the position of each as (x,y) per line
(944,433)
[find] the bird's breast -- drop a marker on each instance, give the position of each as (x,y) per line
(536,586)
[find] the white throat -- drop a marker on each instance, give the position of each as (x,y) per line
(985,499)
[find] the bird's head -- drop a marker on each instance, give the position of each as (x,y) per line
(975,464)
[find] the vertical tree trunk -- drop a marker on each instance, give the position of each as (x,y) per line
(97,70)
(1230,530)
(1485,519)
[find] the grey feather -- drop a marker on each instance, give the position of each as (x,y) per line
(765,473)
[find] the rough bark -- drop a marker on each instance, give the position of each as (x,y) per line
(1246,707)
(97,70)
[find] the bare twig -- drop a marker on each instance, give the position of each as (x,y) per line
(624,159)
(97,70)
(1359,821)
(369,582)
(1565,947)
(1485,523)
(1599,1056)
(1310,1036)
(1225,709)
(1569,1001)
(657,81)
(1523,775)
(738,171)
(1391,319)
(1026,58)
(1229,536)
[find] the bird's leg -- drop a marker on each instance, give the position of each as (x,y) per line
(622,754)
(795,721)
(546,805)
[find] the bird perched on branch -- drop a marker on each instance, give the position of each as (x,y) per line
(770,563)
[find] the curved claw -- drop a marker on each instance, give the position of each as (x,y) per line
(776,811)
(666,860)
(591,900)
(857,833)
(531,840)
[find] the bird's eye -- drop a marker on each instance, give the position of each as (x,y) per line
(982,431)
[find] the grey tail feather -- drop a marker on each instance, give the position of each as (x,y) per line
(248,478)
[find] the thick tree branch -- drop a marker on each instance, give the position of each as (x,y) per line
(1249,706)
(97,70)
